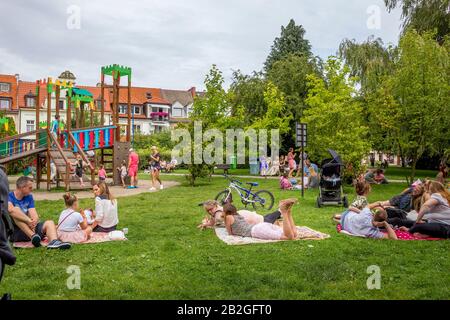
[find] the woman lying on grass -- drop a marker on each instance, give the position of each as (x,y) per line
(215,217)
(236,224)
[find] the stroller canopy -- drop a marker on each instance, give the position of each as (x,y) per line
(332,166)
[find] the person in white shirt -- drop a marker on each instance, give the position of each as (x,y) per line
(106,210)
(72,225)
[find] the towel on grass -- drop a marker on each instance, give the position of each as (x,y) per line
(304,233)
(96,237)
(401,235)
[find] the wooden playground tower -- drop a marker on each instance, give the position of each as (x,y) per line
(69,141)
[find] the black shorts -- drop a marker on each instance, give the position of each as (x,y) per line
(101,229)
(79,173)
(20,236)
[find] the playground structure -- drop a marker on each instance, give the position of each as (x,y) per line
(61,147)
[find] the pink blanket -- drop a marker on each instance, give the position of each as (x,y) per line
(96,237)
(401,235)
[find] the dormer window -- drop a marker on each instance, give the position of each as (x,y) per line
(30,100)
(149,96)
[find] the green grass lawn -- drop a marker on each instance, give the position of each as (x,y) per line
(166,257)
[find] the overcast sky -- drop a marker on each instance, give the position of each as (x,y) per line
(172,43)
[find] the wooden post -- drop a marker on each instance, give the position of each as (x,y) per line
(77,116)
(69,114)
(82,119)
(129,110)
(49,143)
(38,165)
(58,93)
(102,98)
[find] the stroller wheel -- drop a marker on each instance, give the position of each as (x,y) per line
(319,202)
(345,202)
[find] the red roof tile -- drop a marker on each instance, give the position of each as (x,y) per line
(96,93)
(139,96)
(11,79)
(25,88)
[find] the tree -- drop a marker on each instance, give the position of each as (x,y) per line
(291,41)
(275,117)
(369,61)
(247,95)
(424,15)
(334,116)
(421,86)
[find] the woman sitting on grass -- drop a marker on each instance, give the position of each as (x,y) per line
(436,212)
(106,216)
(380,177)
(215,217)
(286,184)
(238,226)
(72,225)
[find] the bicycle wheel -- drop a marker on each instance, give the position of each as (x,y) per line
(263,200)
(224,197)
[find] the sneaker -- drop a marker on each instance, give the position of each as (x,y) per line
(161,187)
(56,244)
(36,240)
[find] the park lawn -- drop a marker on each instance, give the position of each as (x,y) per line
(166,257)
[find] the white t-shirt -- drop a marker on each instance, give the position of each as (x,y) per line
(69,221)
(106,212)
(441,212)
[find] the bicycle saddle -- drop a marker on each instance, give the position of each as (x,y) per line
(253,184)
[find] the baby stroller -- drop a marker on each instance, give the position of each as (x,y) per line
(330,185)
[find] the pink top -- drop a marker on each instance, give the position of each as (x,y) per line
(133,160)
(102,173)
(290,156)
(285,184)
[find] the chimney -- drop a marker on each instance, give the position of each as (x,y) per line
(193,92)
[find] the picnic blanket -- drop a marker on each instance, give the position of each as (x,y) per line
(304,233)
(96,237)
(401,235)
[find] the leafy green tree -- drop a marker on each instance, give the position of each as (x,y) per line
(424,15)
(369,61)
(421,86)
(334,116)
(291,41)
(275,117)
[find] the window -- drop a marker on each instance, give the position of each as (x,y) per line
(61,104)
(123,109)
(98,104)
(137,110)
(177,112)
(149,95)
(137,128)
(30,125)
(31,102)
(5,104)
(5,87)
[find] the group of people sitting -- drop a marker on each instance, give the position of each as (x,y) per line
(422,210)
(74,225)
(375,176)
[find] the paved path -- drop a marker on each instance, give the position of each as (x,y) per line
(117,191)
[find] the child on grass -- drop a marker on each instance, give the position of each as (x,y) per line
(72,225)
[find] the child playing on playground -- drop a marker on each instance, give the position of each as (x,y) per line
(102,173)
(72,225)
(123,173)
(79,165)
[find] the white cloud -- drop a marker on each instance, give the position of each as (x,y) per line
(173,43)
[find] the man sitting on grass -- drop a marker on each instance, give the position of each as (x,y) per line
(364,223)
(27,226)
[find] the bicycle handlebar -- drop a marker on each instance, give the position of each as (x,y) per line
(232,180)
